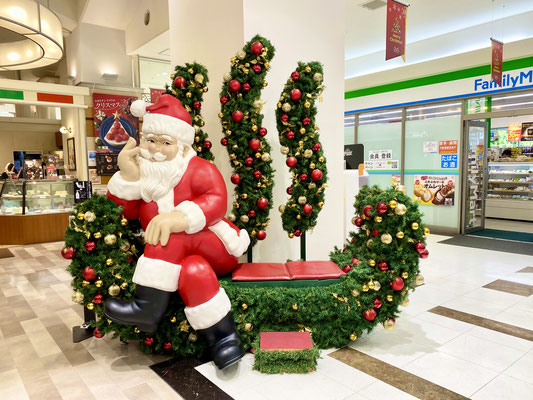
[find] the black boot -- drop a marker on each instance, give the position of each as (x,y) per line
(146,310)
(223,342)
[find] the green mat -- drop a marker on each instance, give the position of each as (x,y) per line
(508,235)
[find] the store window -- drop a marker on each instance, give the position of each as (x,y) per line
(7,110)
(349,129)
(512,101)
(154,74)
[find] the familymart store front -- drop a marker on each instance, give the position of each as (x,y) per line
(445,137)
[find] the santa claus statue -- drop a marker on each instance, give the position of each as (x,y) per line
(180,200)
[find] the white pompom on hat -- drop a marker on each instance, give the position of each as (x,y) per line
(166,116)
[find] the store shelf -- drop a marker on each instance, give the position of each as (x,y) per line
(521,209)
(511,173)
(510,191)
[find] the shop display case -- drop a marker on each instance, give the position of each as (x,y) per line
(34,211)
(510,190)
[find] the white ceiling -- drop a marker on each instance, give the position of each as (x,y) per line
(115,14)
(435,29)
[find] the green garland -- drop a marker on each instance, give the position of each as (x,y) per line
(189,83)
(279,362)
(244,137)
(334,314)
(299,139)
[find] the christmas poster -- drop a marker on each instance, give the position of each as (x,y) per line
(113,122)
(155,93)
(396,21)
(434,190)
(497,61)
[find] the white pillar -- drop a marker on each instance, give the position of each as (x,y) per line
(212,31)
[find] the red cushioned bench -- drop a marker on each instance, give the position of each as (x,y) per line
(291,271)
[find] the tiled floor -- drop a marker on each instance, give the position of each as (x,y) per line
(39,361)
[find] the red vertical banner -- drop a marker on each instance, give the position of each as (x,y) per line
(396,22)
(155,93)
(497,61)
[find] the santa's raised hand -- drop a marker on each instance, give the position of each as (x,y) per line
(127,161)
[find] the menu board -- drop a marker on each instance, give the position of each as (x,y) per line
(106,163)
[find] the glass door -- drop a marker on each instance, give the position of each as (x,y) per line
(474,175)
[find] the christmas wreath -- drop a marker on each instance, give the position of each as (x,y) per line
(189,83)
(244,137)
(299,139)
(380,261)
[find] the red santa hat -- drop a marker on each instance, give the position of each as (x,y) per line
(166,116)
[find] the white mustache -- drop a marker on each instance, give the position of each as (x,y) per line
(156,156)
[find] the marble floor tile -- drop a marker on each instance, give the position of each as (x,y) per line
(522,369)
(504,387)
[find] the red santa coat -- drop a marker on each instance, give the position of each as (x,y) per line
(191,260)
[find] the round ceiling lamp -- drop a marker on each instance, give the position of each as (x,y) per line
(31,35)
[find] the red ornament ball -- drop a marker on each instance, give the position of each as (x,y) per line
(248,161)
(246,87)
(223,100)
(149,341)
(306,121)
(290,135)
(289,190)
(88,274)
(90,246)
(291,162)
(382,208)
(262,203)
(197,105)
(303,177)
(284,118)
(295,76)
(180,82)
(358,221)
(97,333)
(167,346)
(68,252)
(207,144)
(234,85)
(383,265)
(347,268)
(424,254)
(298,233)
(397,284)
(224,141)
(251,214)
(261,235)
(370,315)
(308,209)
(420,247)
(262,131)
(256,47)
(296,94)
(375,232)
(377,303)
(367,211)
(355,261)
(235,179)
(97,299)
(256,68)
(317,147)
(237,116)
(254,144)
(257,174)
(316,175)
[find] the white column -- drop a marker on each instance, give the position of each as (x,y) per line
(211,32)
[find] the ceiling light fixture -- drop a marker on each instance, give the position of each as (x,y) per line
(31,35)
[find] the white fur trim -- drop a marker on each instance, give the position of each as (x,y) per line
(236,243)
(209,313)
(122,189)
(138,108)
(157,274)
(193,214)
(166,203)
(164,124)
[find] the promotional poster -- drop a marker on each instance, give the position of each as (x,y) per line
(434,190)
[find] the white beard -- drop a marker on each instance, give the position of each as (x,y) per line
(158,178)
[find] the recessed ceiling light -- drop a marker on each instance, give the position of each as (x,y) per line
(373,5)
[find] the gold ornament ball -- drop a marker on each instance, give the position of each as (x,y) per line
(372,263)
(353,337)
(124,285)
(136,330)
(193,337)
(173,319)
(188,95)
(298,217)
(114,290)
(258,155)
(254,128)
(110,239)
(400,209)
(321,159)
(401,189)
(364,287)
(244,306)
(414,226)
(227,77)
(286,107)
(386,238)
(97,235)
(231,217)
(248,327)
(312,166)
(426,231)
(241,54)
(295,307)
(302,131)
(77,297)
(378,219)
(279,104)
(244,196)
(89,216)
(99,283)
(393,204)
(307,104)
(369,242)
(355,292)
(85,283)
(109,262)
(124,247)
(405,302)
(284,150)
(123,222)
(308,153)
(320,204)
(81,215)
(90,306)
(405,275)
(377,285)
(389,298)
(281,208)
(353,220)
(265,157)
(388,324)
(370,284)
(302,199)
(244,218)
(199,78)
(220,115)
(400,235)
(291,235)
(197,139)
(307,69)
(190,70)
(317,77)
(419,280)
(312,185)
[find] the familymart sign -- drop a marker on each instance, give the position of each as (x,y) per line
(510,80)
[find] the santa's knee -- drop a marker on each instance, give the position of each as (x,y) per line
(198,282)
